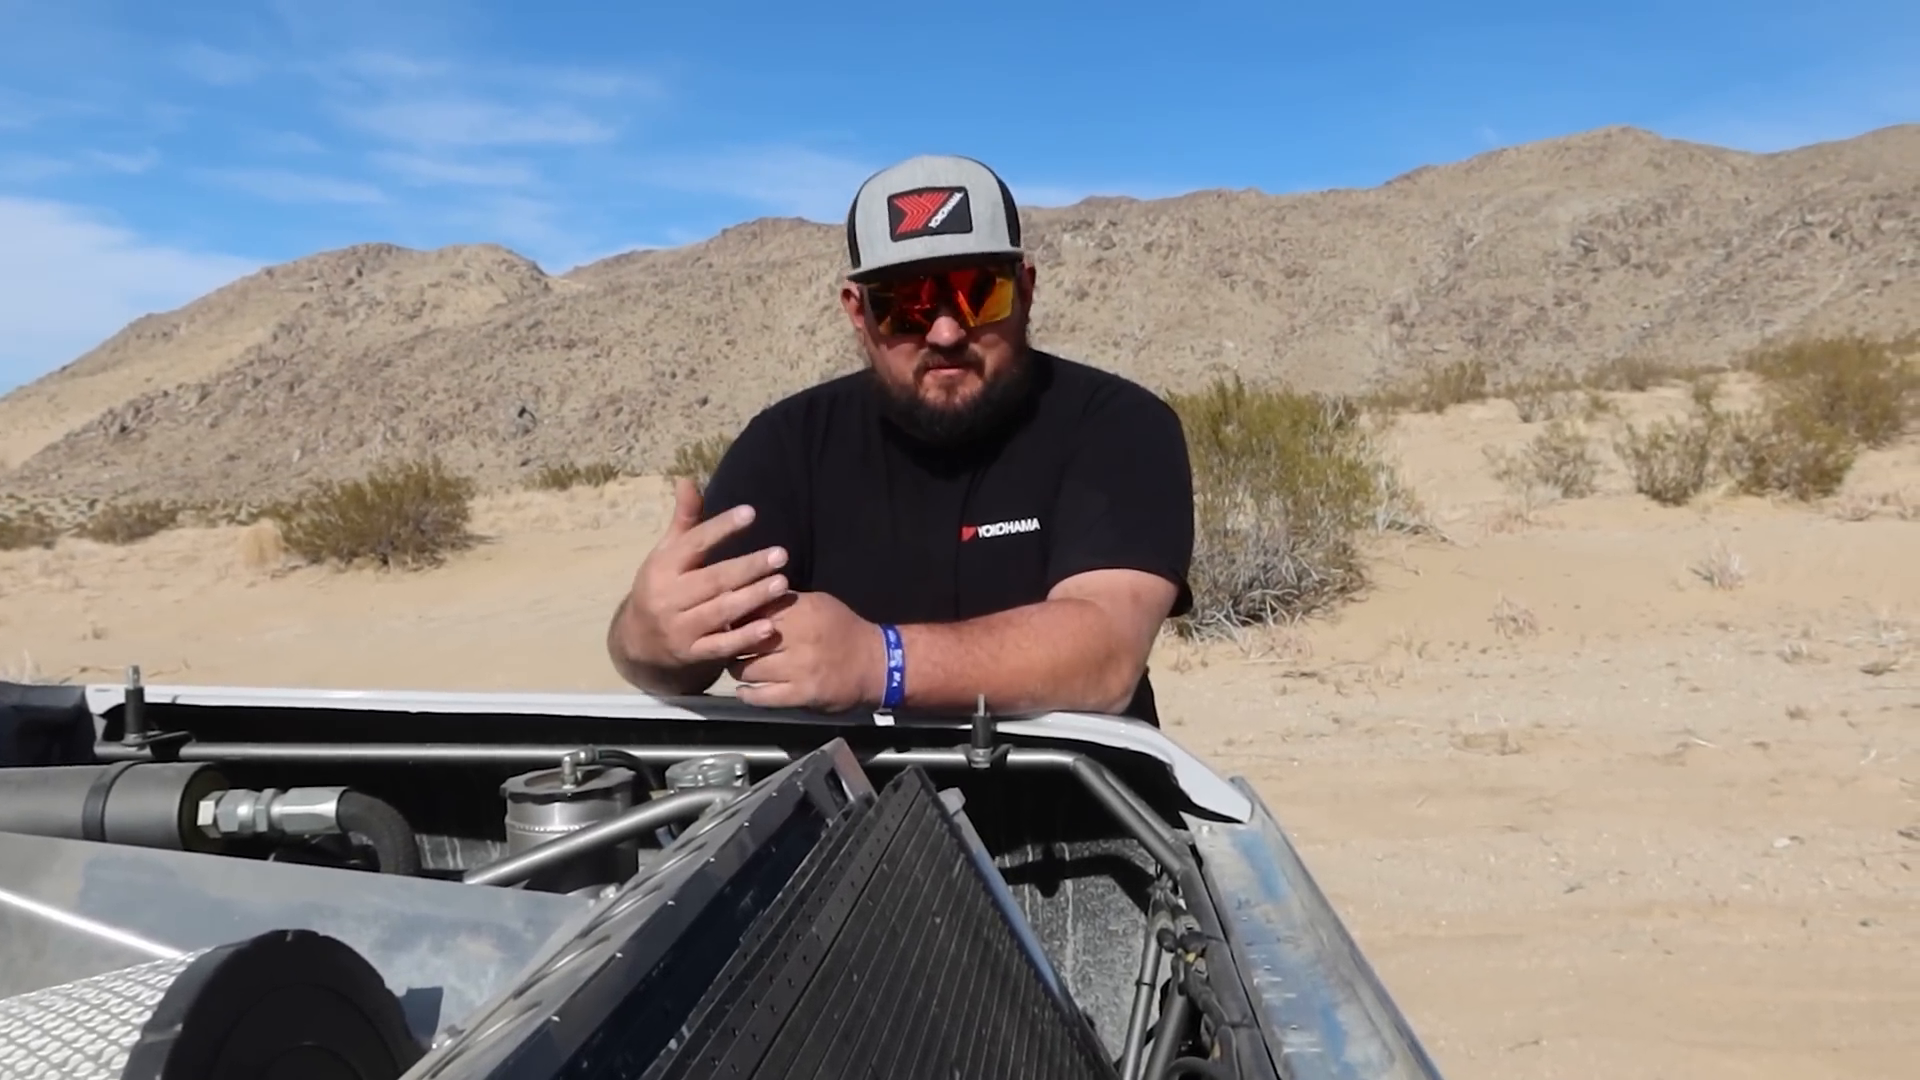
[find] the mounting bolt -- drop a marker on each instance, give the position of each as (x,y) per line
(135,712)
(981,751)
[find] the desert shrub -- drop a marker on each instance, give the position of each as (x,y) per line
(1673,460)
(1435,388)
(1538,401)
(1634,373)
(1283,484)
(129,522)
(699,458)
(1544,395)
(1863,387)
(1786,447)
(27,528)
(408,515)
(572,475)
(1559,460)
(1800,441)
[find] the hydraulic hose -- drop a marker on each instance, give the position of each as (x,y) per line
(1193,1066)
(375,822)
(637,763)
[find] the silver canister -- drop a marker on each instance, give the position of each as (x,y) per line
(550,803)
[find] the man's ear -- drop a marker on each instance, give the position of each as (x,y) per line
(856,311)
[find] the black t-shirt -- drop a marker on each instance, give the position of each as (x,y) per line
(1095,476)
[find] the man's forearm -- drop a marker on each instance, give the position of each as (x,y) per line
(1058,654)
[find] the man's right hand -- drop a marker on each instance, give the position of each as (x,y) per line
(675,630)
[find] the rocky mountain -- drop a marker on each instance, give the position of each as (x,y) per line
(1565,252)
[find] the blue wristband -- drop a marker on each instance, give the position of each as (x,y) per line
(896,668)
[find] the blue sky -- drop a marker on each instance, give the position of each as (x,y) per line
(150,152)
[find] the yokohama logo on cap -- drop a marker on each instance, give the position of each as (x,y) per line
(933,211)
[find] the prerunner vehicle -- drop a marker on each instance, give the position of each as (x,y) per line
(223,882)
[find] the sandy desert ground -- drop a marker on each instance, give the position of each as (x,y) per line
(1591,815)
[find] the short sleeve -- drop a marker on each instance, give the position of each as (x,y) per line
(1126,498)
(757,471)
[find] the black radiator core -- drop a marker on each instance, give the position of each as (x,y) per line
(887,956)
(812,928)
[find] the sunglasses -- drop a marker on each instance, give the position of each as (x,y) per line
(973,295)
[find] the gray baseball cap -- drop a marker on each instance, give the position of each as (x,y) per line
(930,207)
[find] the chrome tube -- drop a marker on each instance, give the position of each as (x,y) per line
(666,810)
(1149,977)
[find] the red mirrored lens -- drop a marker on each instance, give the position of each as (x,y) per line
(972,295)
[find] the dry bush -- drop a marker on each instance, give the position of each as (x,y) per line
(1283,484)
(699,458)
(1721,568)
(572,475)
(1822,402)
(1633,373)
(1434,388)
(27,528)
(408,515)
(1560,460)
(1865,388)
(1673,460)
(1862,507)
(1511,620)
(1548,395)
(1522,512)
(130,522)
(1786,448)
(1536,402)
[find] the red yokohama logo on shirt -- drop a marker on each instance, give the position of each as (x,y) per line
(1000,528)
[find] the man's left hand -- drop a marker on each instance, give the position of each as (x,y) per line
(821,656)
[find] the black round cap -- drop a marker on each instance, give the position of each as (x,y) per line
(286,1005)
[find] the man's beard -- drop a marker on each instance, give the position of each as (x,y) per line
(998,401)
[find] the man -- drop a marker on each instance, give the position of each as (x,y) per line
(967,516)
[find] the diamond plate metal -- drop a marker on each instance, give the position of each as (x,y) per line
(83,1030)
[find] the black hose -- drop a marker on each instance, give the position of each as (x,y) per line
(1193,1066)
(637,764)
(376,823)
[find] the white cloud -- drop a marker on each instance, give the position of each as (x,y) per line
(69,280)
(26,169)
(785,179)
(376,65)
(289,142)
(124,163)
(457,121)
(423,169)
(218,67)
(281,185)
(601,84)
(18,113)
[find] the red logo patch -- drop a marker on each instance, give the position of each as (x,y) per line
(934,211)
(967,531)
